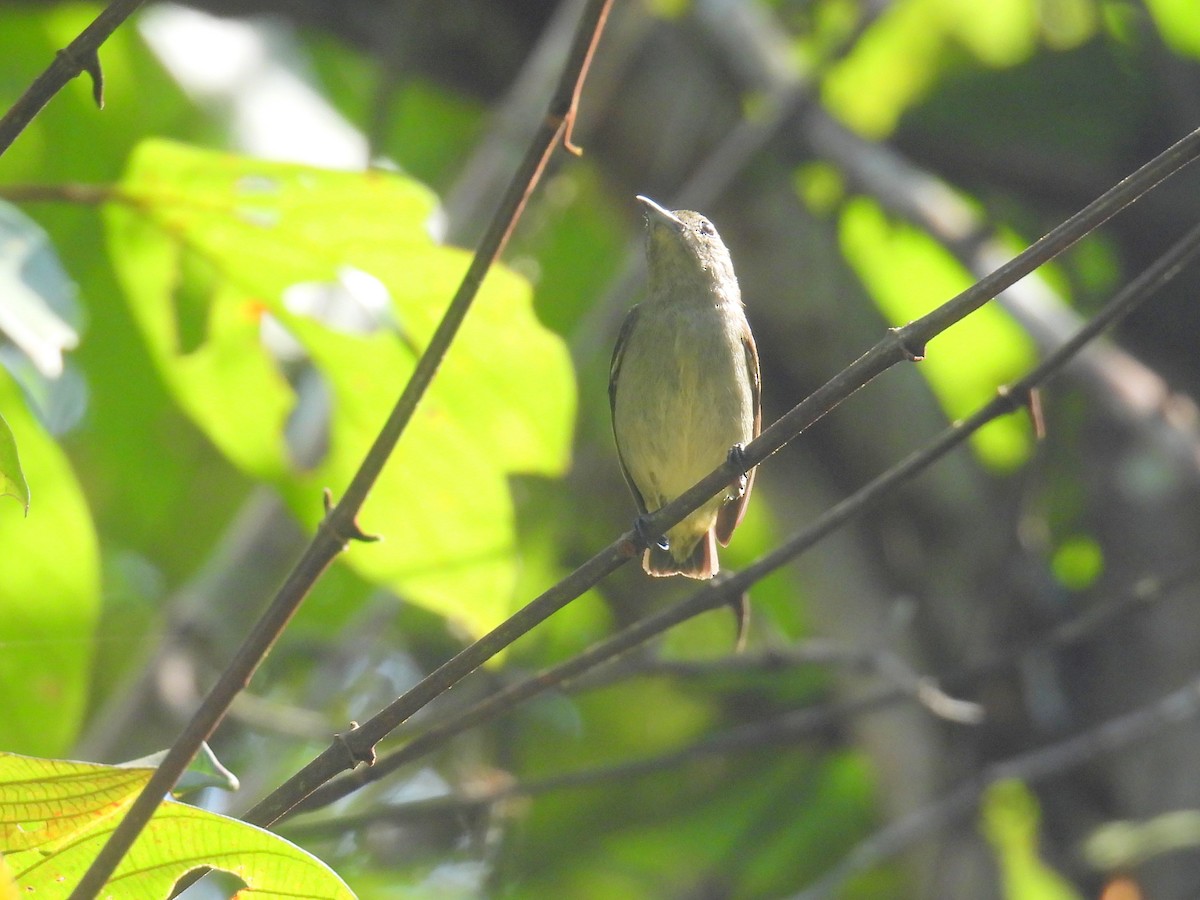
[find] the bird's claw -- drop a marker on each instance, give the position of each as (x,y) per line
(641,529)
(737,459)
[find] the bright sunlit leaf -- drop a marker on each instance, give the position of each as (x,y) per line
(55,815)
(1178,22)
(907,274)
(49,595)
(8,885)
(1077,562)
(239,270)
(903,53)
(1009,820)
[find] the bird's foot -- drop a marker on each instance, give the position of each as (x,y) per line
(737,459)
(642,530)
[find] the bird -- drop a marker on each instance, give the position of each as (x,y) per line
(684,388)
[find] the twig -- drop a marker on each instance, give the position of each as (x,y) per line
(879,661)
(501,701)
(81,55)
(1173,709)
(339,527)
(783,729)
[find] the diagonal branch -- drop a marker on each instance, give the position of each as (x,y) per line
(905,343)
(1177,707)
(339,526)
(722,590)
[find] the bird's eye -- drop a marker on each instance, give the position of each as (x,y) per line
(706,229)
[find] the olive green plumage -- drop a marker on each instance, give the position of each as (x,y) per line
(684,387)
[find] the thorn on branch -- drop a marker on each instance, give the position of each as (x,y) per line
(913,352)
(740,606)
(90,63)
(1030,399)
(1037,419)
(343,738)
(567,122)
(352,531)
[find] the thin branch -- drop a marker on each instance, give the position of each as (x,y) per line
(339,527)
(501,701)
(784,729)
(81,55)
(722,590)
(1175,708)
(879,661)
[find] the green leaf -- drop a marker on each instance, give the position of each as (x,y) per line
(902,55)
(221,255)
(1009,820)
(1178,22)
(12,479)
(49,596)
(55,815)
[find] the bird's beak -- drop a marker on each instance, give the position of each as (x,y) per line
(656,213)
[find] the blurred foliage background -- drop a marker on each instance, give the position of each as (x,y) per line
(203,331)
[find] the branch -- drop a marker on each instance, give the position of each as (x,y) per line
(906,343)
(339,527)
(723,590)
(784,729)
(1175,708)
(81,55)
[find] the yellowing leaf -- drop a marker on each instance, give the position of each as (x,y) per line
(8,885)
(55,815)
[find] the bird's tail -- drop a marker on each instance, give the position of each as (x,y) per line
(700,563)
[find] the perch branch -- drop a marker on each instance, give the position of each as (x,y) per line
(721,591)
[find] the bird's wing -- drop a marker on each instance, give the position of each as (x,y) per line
(614,371)
(731,513)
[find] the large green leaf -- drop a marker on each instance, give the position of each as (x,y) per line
(207,245)
(56,814)
(49,595)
